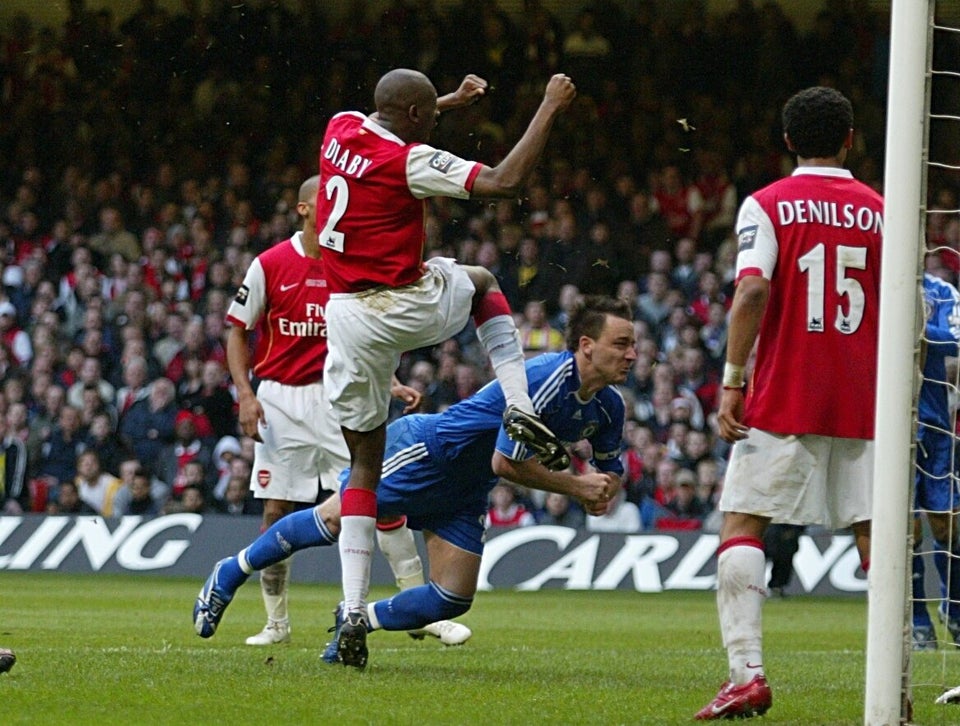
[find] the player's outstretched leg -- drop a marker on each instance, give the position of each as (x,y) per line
(216,594)
(294,532)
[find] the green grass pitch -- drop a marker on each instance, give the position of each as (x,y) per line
(121,650)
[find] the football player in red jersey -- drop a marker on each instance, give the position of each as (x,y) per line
(808,278)
(299,445)
(375,172)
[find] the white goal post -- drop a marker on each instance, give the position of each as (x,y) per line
(907,113)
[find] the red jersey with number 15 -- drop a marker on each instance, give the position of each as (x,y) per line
(370,201)
(817,237)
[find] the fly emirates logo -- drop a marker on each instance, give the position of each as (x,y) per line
(314,325)
(819,211)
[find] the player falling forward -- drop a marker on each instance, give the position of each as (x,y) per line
(375,172)
(808,278)
(438,472)
(299,445)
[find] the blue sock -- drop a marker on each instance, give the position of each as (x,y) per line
(294,532)
(921,616)
(419,606)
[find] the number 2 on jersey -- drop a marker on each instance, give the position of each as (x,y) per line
(337,190)
(814,262)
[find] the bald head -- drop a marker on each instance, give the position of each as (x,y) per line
(401,88)
(406,104)
(308,190)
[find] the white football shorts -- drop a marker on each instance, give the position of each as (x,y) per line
(806,479)
(367,333)
(302,445)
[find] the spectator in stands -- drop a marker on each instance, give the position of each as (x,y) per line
(505,510)
(536,334)
(103,438)
(136,496)
(58,454)
(238,499)
(192,501)
(188,460)
(148,425)
(13,337)
(68,501)
(135,387)
(621,516)
(654,305)
(213,400)
(97,487)
(90,375)
(560,510)
(14,488)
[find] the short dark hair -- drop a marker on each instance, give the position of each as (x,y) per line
(590,316)
(817,121)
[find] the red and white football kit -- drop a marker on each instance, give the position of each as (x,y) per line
(817,237)
(284,297)
(384,299)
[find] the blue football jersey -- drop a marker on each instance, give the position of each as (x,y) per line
(942,333)
(553,383)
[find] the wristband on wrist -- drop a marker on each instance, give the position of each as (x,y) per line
(732,376)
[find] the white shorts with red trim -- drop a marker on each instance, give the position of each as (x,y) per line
(806,479)
(369,331)
(302,447)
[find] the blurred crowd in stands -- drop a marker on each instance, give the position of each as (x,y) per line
(144,161)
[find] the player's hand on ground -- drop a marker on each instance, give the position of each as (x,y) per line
(560,91)
(730,415)
(251,417)
(411,397)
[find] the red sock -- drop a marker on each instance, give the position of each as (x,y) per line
(357,502)
(491,305)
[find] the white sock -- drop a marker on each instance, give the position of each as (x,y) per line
(242,561)
(400,549)
(356,548)
(372,621)
(273,585)
(501,340)
(740,595)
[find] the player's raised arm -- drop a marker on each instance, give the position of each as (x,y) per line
(506,178)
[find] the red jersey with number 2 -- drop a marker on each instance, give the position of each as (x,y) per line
(817,237)
(370,202)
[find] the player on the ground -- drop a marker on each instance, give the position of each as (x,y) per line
(438,471)
(808,272)
(936,491)
(375,172)
(299,445)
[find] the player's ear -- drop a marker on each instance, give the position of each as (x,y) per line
(788,142)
